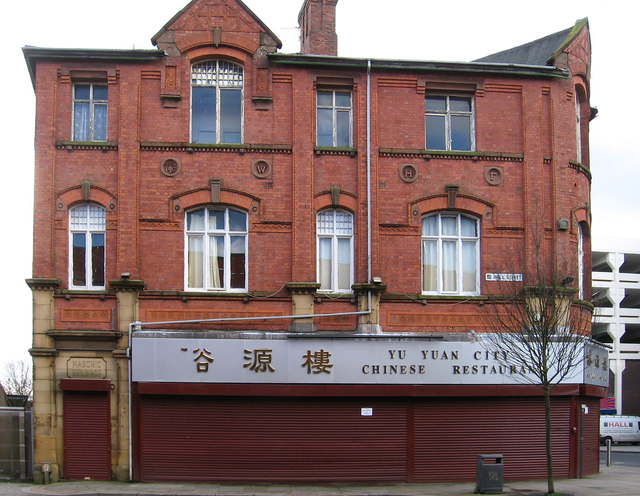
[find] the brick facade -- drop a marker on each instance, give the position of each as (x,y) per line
(522,180)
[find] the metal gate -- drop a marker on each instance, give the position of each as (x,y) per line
(235,439)
(87,439)
(271,439)
(451,433)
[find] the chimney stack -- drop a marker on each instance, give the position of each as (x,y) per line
(317,21)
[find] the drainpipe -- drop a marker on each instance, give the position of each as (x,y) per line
(369,249)
(130,401)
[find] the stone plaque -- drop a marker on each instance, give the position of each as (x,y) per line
(86,368)
(408,173)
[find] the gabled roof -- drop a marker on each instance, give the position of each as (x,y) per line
(538,52)
(240,4)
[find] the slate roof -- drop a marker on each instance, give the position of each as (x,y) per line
(538,52)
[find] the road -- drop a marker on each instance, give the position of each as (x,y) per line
(622,455)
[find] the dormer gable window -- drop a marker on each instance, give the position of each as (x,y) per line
(217,102)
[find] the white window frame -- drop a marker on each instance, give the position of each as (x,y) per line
(94,223)
(447,114)
(578,130)
(93,102)
(580,262)
(334,233)
(205,234)
(335,110)
(459,239)
(219,79)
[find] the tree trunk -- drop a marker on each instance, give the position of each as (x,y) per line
(547,418)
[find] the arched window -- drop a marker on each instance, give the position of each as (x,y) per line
(334,229)
(580,262)
(578,129)
(87,226)
(450,254)
(216,102)
(216,249)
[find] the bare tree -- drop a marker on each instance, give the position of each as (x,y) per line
(17,378)
(540,329)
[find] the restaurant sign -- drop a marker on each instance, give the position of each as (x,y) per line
(159,356)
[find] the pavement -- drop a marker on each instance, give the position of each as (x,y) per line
(615,480)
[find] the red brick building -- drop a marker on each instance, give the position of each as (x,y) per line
(256,266)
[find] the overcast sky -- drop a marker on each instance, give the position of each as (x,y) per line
(402,29)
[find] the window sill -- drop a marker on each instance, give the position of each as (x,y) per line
(451,155)
(240,148)
(435,298)
(335,150)
(449,296)
(186,295)
(334,295)
(84,291)
(72,293)
(213,292)
(103,146)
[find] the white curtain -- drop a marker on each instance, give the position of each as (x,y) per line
(81,121)
(469,277)
(216,247)
(325,263)
(344,263)
(195,262)
(449,262)
(429,265)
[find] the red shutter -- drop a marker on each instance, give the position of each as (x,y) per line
(259,439)
(591,432)
(450,434)
(87,439)
(330,440)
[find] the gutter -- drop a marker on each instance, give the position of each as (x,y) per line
(408,65)
(33,55)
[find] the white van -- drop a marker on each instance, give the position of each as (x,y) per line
(620,429)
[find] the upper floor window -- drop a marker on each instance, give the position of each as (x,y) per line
(87,225)
(578,130)
(334,118)
(450,254)
(335,250)
(449,123)
(216,246)
(90,112)
(580,262)
(216,102)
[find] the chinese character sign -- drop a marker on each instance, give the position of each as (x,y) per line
(203,358)
(317,362)
(259,360)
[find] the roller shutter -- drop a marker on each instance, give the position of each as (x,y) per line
(591,432)
(87,439)
(267,439)
(450,434)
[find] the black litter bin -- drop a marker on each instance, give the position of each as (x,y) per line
(489,474)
